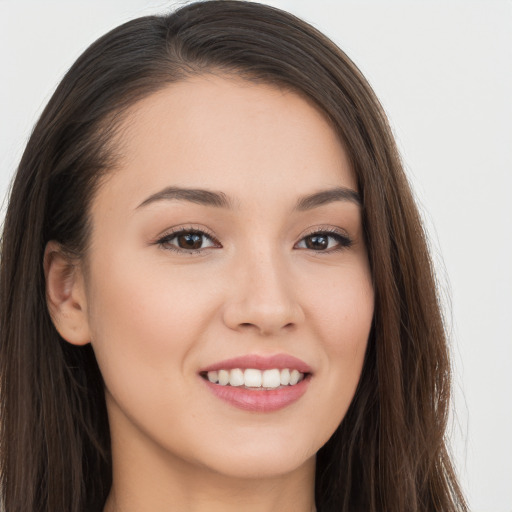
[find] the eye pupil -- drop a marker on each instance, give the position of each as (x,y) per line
(190,241)
(317,242)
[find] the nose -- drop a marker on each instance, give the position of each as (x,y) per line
(262,296)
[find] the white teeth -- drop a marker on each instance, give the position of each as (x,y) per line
(271,378)
(294,377)
(236,377)
(223,377)
(252,378)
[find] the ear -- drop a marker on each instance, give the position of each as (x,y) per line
(65,295)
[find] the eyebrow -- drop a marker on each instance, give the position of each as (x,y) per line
(193,195)
(221,200)
(328,196)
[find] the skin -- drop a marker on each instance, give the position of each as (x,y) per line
(155,316)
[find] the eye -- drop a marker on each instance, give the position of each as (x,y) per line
(325,241)
(188,240)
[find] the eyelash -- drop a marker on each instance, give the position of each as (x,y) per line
(343,241)
(164,242)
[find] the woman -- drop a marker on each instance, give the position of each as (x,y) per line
(216,291)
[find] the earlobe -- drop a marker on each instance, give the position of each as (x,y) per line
(65,295)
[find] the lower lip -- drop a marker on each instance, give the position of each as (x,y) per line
(259,400)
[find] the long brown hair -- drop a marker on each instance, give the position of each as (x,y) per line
(389,453)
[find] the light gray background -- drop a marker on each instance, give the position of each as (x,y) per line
(442,70)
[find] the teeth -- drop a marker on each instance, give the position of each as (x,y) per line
(223,377)
(236,377)
(285,377)
(271,378)
(252,378)
(294,377)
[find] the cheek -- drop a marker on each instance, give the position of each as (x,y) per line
(143,320)
(145,301)
(343,312)
(342,308)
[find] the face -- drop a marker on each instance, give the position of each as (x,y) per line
(229,239)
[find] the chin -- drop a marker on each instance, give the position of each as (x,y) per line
(260,460)
(261,468)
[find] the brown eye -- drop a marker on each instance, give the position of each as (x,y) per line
(189,241)
(325,242)
(317,242)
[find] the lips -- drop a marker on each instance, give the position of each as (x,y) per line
(279,361)
(225,379)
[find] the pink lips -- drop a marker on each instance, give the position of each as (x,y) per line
(280,361)
(260,400)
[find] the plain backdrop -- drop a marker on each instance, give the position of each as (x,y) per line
(443,71)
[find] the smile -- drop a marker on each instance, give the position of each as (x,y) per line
(258,383)
(255,379)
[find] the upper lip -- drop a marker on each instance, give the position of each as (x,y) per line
(260,362)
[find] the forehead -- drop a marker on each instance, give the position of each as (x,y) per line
(229,134)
